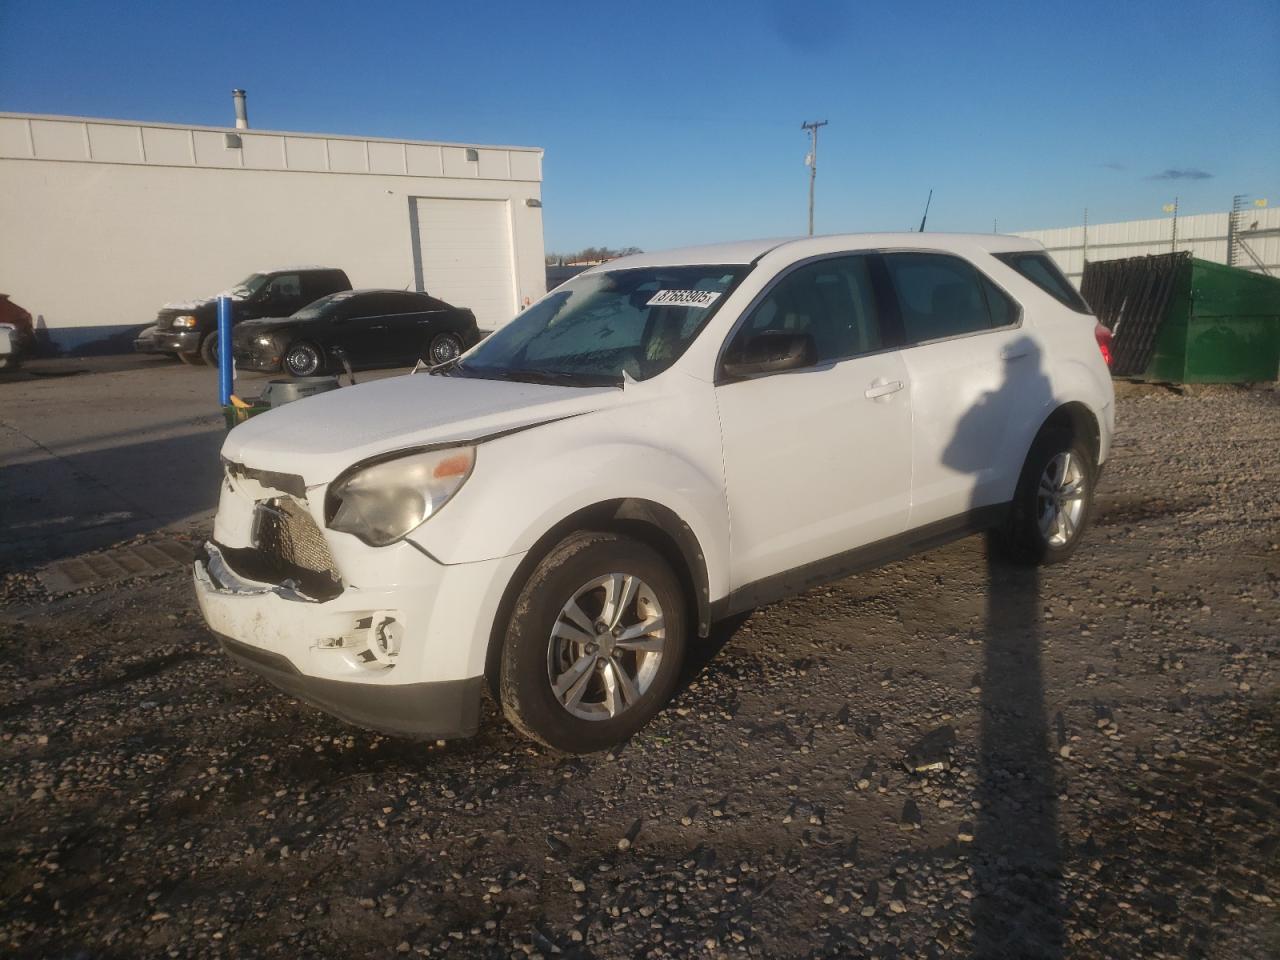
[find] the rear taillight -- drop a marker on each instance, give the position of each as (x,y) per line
(1103,336)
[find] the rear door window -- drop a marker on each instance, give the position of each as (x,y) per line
(406,303)
(364,305)
(1040,269)
(944,296)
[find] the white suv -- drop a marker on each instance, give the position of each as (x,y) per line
(665,440)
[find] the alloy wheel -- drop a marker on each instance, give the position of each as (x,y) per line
(445,348)
(1060,499)
(606,647)
(302,360)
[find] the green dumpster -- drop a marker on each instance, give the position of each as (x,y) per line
(1178,319)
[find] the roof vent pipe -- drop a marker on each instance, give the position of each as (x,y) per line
(242,114)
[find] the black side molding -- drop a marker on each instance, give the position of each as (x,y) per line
(795,581)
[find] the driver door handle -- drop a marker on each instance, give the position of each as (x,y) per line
(882,388)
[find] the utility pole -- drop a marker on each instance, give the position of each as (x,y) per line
(812,161)
(1173,241)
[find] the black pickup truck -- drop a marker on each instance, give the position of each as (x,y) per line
(191,329)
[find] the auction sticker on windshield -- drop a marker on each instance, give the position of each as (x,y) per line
(683,298)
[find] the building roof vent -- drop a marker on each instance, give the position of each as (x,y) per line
(242,112)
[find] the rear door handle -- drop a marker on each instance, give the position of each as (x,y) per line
(1018,354)
(882,389)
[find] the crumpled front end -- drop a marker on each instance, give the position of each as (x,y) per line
(384,637)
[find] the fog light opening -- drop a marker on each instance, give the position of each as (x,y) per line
(385,636)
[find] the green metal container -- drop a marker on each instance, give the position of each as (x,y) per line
(1222,326)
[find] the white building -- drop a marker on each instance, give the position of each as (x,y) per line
(1205,235)
(106,220)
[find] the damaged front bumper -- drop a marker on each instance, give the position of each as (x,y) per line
(337,655)
(383,637)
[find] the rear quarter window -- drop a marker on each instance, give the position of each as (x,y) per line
(941,296)
(1040,269)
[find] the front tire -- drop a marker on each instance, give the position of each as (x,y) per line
(1053,502)
(209,350)
(303,360)
(595,644)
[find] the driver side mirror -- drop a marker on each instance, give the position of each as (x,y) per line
(774,351)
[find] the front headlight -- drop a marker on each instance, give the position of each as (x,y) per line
(264,341)
(384,502)
(186,320)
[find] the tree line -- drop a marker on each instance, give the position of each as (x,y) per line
(590,254)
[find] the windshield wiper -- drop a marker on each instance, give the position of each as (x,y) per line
(551,377)
(450,368)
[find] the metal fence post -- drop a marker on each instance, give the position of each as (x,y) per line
(225,371)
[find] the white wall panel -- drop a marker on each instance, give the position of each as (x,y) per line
(60,141)
(456,163)
(347,156)
(15,140)
(167,146)
(262,152)
(212,150)
(425,161)
(306,153)
(386,157)
(115,144)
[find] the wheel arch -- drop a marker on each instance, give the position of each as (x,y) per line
(651,523)
(1076,419)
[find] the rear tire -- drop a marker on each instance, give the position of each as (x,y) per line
(444,347)
(595,644)
(303,360)
(1053,502)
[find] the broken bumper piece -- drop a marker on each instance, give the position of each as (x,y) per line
(401,660)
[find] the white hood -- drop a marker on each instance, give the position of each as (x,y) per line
(319,437)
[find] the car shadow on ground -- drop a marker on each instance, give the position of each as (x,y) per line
(55,505)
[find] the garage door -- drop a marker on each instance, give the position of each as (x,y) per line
(464,256)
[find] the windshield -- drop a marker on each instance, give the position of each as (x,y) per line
(597,326)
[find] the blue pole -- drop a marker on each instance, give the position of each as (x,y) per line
(224,351)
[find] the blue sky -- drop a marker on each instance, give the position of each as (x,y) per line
(671,123)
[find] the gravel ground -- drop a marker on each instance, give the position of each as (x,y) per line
(942,758)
